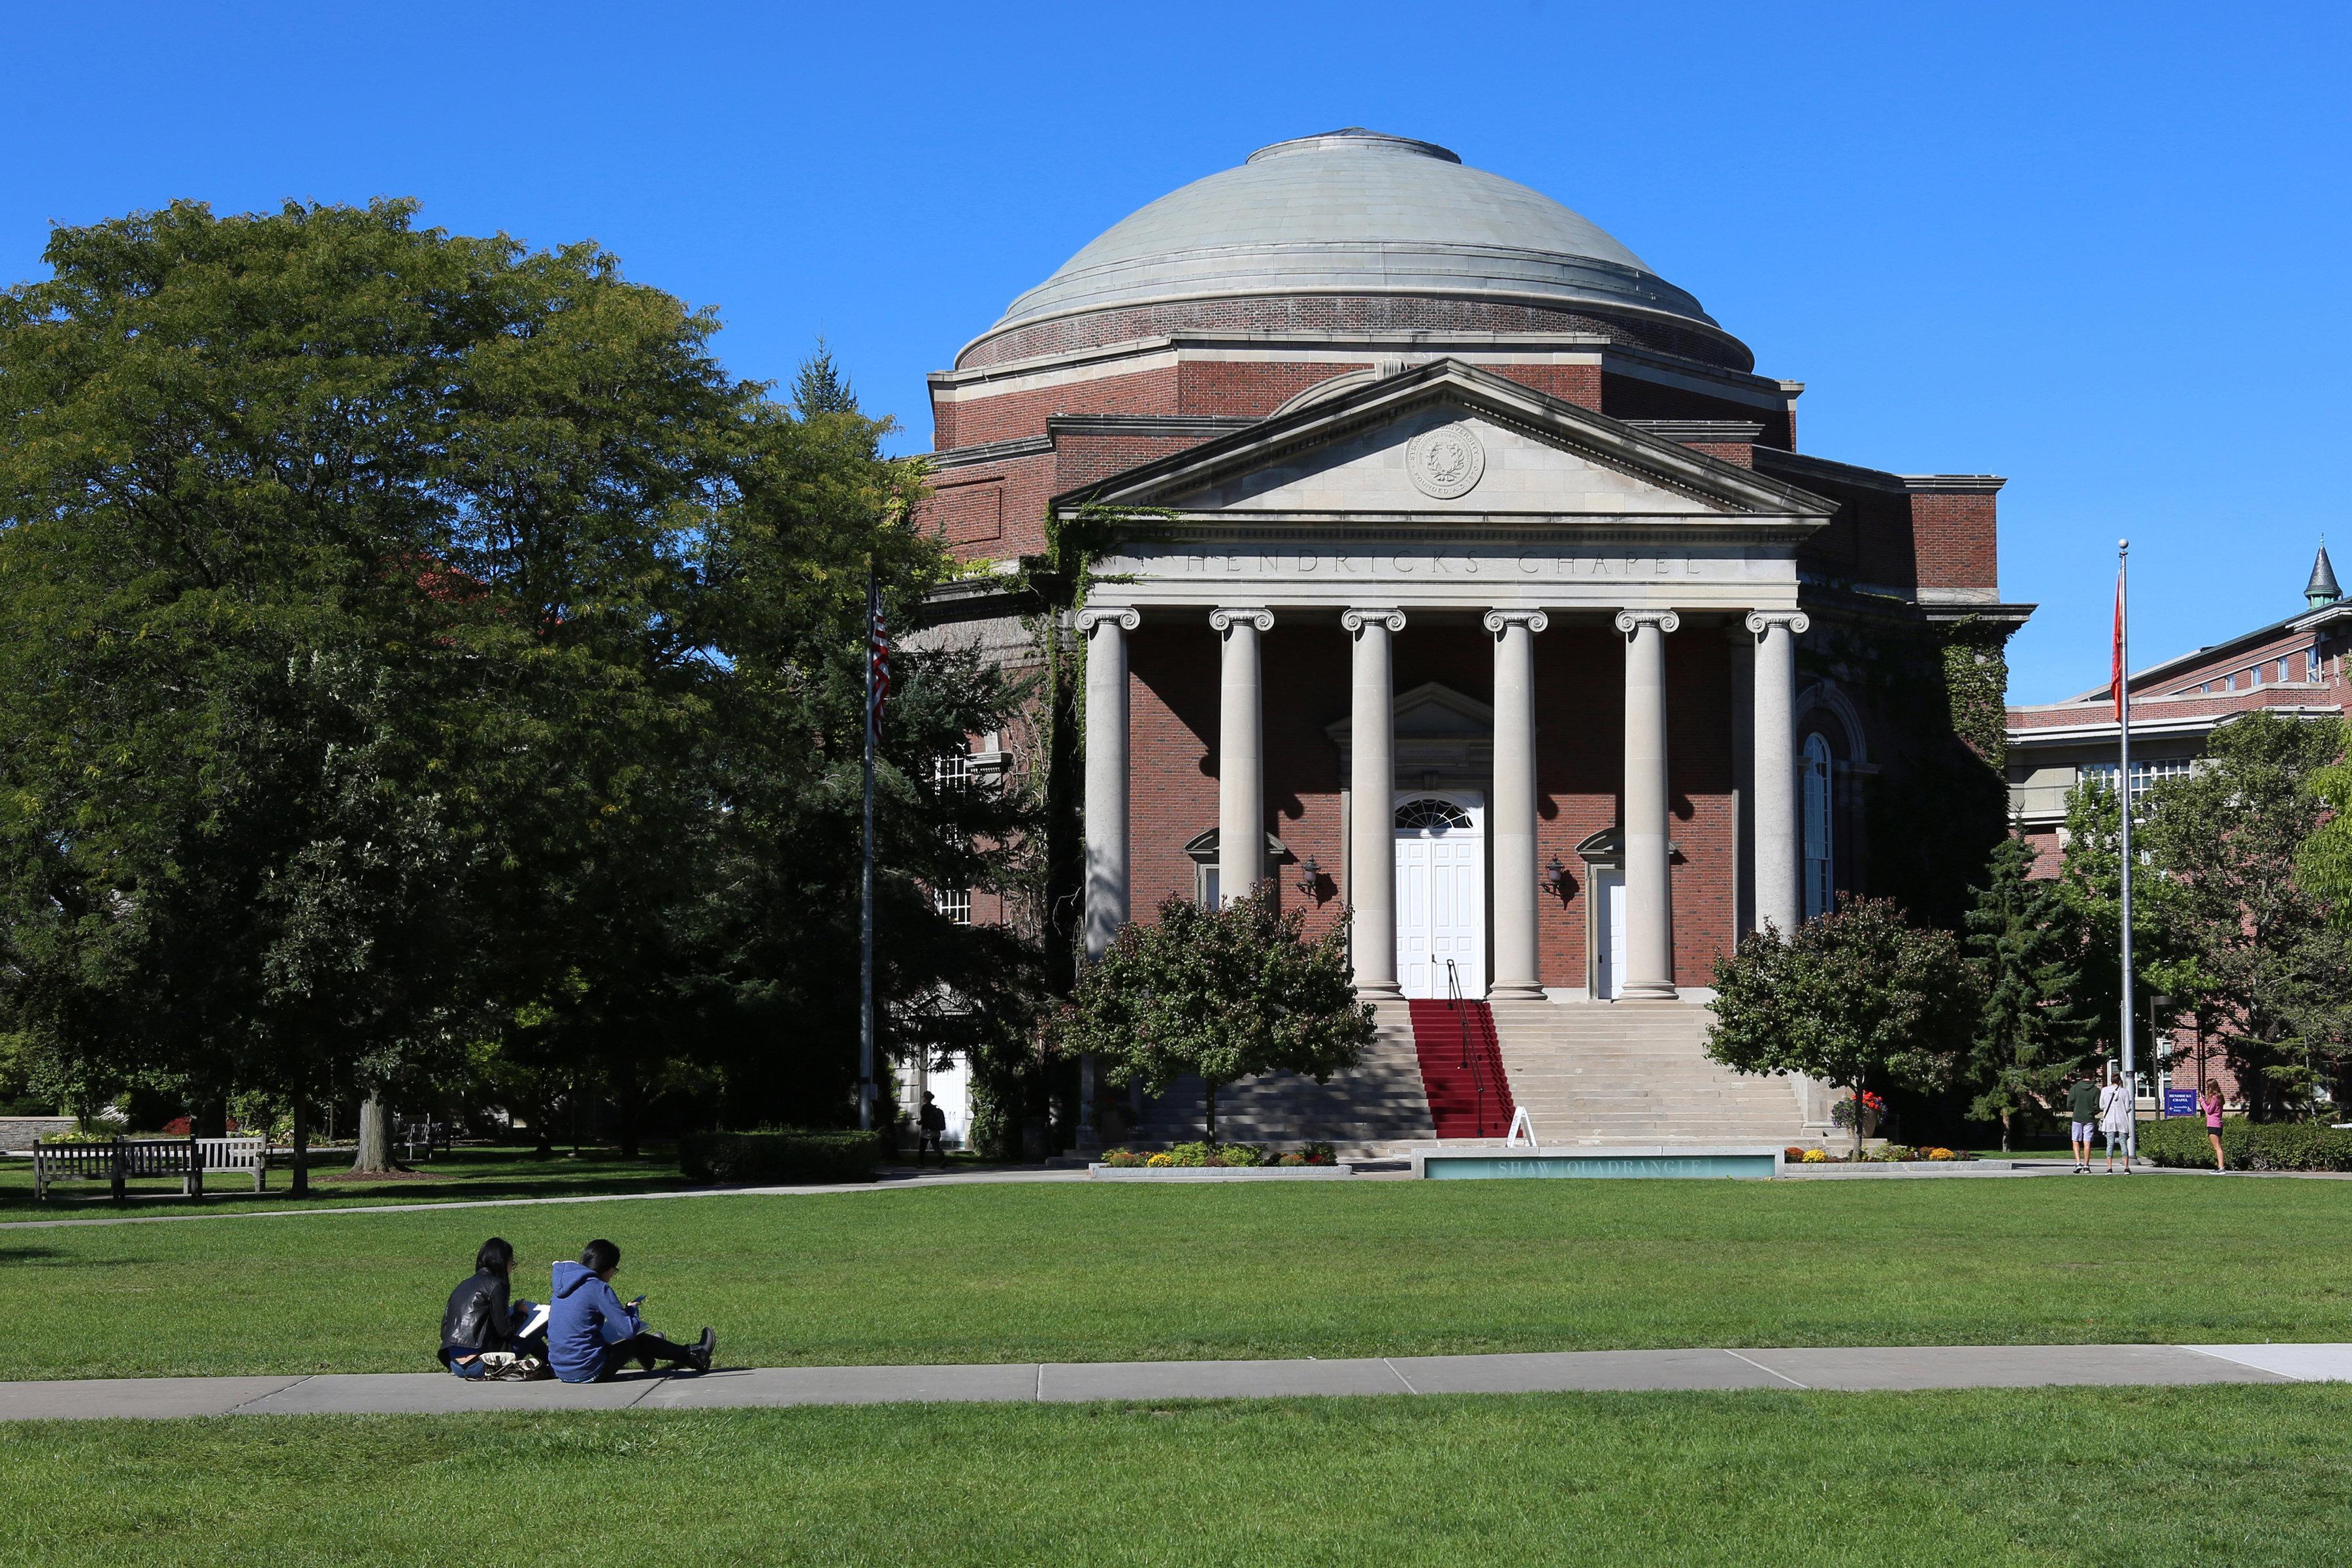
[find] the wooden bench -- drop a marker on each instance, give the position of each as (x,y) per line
(124,1160)
(232,1155)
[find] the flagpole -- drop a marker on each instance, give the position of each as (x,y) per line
(865,904)
(2123,774)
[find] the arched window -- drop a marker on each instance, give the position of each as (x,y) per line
(1432,817)
(1821,885)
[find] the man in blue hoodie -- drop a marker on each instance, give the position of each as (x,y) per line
(590,1334)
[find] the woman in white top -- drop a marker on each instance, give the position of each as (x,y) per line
(2115,1121)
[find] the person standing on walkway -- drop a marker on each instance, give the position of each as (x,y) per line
(933,1124)
(2210,1103)
(2115,1121)
(2083,1110)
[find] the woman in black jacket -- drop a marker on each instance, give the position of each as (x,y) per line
(480,1318)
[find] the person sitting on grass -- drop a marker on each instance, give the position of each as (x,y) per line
(483,1332)
(592,1333)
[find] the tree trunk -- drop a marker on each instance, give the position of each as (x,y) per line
(2004,1131)
(1208,1094)
(1857,1122)
(375,1136)
(301,1145)
(208,1118)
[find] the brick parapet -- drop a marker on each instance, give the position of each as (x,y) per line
(1338,314)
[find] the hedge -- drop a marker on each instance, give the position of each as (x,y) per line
(791,1155)
(2180,1141)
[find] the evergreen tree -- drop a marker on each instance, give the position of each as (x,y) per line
(820,388)
(2031,1038)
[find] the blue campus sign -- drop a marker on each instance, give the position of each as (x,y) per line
(2181,1102)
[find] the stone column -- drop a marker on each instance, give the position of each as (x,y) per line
(1371,785)
(1778,900)
(1511,815)
(1649,894)
(1241,754)
(1107,887)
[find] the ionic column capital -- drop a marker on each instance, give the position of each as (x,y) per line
(1534,620)
(1631,621)
(1227,619)
(1356,620)
(1125,616)
(1761,621)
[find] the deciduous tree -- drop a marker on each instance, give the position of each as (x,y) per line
(1854,996)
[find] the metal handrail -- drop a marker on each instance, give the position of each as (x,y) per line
(1472,1063)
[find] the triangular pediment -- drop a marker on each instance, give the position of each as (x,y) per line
(1431,712)
(1449,440)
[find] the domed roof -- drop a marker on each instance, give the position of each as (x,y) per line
(1355,211)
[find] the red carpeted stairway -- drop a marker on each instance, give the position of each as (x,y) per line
(1461,1068)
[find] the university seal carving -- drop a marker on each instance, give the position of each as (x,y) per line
(1445,462)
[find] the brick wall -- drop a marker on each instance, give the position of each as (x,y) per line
(975,420)
(1633,397)
(1954,543)
(1254,387)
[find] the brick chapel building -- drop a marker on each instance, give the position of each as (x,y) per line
(1465,574)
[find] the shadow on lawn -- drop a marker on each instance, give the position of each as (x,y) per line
(471,1175)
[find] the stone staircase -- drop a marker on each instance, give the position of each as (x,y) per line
(1377,1105)
(1609,1072)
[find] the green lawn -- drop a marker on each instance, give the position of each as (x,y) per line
(1079,1271)
(2139,1478)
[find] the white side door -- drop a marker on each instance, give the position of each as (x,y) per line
(1609,966)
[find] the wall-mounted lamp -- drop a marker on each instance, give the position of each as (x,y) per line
(1556,878)
(1311,879)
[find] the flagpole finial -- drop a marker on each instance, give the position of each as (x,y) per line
(2124,544)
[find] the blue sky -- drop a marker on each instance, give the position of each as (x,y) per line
(2101,250)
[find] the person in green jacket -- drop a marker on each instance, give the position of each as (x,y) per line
(2082,1106)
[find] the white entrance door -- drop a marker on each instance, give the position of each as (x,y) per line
(1609,918)
(1441,894)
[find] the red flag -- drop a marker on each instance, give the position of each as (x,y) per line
(2117,677)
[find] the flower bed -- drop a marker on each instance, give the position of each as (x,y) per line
(1195,1156)
(1886,1154)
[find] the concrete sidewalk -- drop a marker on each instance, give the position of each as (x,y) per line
(1903,1367)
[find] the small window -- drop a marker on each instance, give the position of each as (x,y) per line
(952,771)
(955,904)
(1821,878)
(2283,675)
(1432,817)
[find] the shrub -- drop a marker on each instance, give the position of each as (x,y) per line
(1320,1152)
(1291,1159)
(1161,1160)
(1817,1157)
(2179,1141)
(786,1155)
(1895,1153)
(1125,1158)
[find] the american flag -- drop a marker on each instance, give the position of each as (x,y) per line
(877,656)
